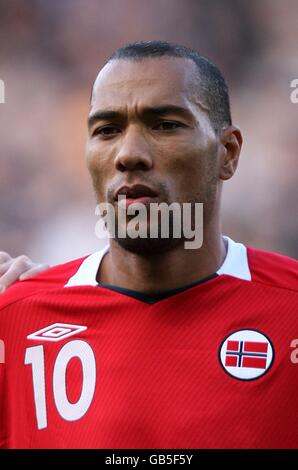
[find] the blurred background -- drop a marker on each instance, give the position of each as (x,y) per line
(50,54)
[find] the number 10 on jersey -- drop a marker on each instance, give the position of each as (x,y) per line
(35,356)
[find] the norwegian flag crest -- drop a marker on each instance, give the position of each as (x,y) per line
(246,354)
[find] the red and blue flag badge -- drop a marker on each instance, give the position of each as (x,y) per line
(246,354)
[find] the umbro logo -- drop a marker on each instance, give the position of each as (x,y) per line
(56,332)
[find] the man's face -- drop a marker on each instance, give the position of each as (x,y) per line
(148,126)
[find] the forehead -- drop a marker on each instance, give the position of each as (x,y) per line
(150,81)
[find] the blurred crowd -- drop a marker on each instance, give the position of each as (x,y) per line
(50,54)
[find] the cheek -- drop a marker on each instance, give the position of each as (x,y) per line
(95,157)
(182,154)
(98,167)
(191,168)
(184,163)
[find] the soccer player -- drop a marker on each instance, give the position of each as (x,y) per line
(148,344)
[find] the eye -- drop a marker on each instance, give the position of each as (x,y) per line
(106,131)
(167,126)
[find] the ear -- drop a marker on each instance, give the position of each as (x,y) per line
(231,142)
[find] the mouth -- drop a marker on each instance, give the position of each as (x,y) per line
(137,193)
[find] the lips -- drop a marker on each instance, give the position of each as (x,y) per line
(137,191)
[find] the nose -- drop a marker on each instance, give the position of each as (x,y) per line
(134,151)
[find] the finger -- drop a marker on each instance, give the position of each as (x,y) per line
(33,271)
(4,267)
(18,267)
(4,257)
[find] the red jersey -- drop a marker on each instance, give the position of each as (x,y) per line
(208,366)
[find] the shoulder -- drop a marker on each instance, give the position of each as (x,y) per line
(260,267)
(273,269)
(53,278)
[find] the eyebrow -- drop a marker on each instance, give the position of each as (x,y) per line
(162,110)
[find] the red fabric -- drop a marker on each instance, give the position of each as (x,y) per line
(159,382)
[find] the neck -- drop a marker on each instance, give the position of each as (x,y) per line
(168,270)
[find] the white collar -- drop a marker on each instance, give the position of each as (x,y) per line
(236,261)
(235,264)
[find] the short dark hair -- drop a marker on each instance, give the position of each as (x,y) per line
(212,85)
